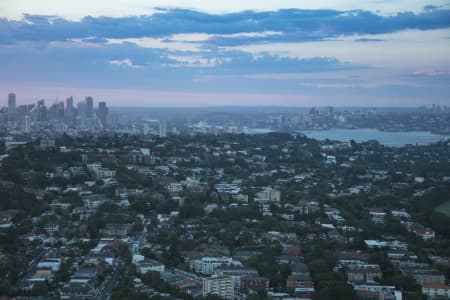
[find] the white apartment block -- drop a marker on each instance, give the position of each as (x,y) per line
(222,286)
(207,265)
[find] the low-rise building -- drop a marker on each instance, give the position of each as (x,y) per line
(207,265)
(368,272)
(307,207)
(119,230)
(253,283)
(352,258)
(299,281)
(41,276)
(436,291)
(396,257)
(269,194)
(149,265)
(422,273)
(175,187)
(79,289)
(236,273)
(53,264)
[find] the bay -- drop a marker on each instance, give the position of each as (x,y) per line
(387,138)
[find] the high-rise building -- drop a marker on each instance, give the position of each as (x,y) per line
(27,124)
(89,107)
(102,114)
(222,286)
(12,107)
(56,111)
(162,129)
(40,111)
(146,128)
(81,109)
(329,111)
(12,103)
(68,106)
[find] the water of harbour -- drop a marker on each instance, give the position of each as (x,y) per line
(387,138)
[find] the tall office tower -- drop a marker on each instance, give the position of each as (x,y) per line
(60,111)
(68,106)
(12,103)
(102,114)
(56,112)
(27,124)
(82,110)
(115,120)
(41,111)
(146,128)
(89,107)
(162,129)
(329,111)
(11,106)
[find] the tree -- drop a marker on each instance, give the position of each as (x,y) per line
(73,198)
(171,256)
(138,226)
(64,272)
(441,223)
(40,289)
(337,290)
(191,209)
(125,254)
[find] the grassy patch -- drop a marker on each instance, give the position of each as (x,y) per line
(444,208)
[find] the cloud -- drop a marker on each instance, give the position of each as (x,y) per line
(409,50)
(127,65)
(158,43)
(126,62)
(204,37)
(242,62)
(241,27)
(71,9)
(368,40)
(179,61)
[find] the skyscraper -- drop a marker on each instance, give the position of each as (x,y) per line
(82,109)
(12,106)
(68,105)
(27,124)
(89,107)
(56,111)
(40,111)
(162,129)
(12,103)
(102,114)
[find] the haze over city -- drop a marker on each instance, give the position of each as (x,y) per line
(227,53)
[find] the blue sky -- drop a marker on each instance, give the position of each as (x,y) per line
(206,53)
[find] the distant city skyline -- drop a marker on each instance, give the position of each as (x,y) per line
(217,53)
(179,99)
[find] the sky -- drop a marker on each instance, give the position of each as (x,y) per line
(234,52)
